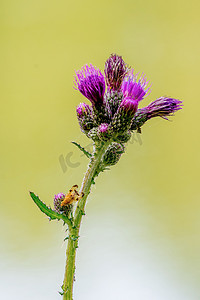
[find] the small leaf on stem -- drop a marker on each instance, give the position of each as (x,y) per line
(88,154)
(53,215)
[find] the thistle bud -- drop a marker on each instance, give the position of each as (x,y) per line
(113,154)
(115,70)
(123,138)
(104,132)
(57,201)
(81,109)
(93,134)
(57,204)
(85,117)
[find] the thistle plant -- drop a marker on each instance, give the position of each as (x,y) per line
(109,119)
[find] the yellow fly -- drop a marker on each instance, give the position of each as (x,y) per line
(72,196)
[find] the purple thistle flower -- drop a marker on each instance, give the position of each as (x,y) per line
(116,111)
(91,83)
(162,107)
(137,90)
(115,70)
(129,105)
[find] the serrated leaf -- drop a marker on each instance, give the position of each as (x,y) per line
(88,154)
(53,215)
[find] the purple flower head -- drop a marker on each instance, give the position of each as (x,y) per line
(82,108)
(162,107)
(59,196)
(57,201)
(103,127)
(134,88)
(115,112)
(115,70)
(129,105)
(91,83)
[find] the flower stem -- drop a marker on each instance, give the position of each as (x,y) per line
(90,174)
(70,267)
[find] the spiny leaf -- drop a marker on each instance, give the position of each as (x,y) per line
(48,211)
(88,154)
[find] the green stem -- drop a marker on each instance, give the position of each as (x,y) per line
(74,231)
(70,265)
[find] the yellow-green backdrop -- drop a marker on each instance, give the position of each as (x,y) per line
(140,237)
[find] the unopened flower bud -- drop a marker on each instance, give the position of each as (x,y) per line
(81,109)
(113,154)
(85,117)
(57,201)
(57,204)
(104,132)
(93,134)
(115,70)
(123,138)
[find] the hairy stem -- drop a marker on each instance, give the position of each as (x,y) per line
(74,231)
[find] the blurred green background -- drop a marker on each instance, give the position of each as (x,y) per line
(140,238)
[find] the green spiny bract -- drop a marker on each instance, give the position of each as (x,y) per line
(93,134)
(113,100)
(121,121)
(123,138)
(105,132)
